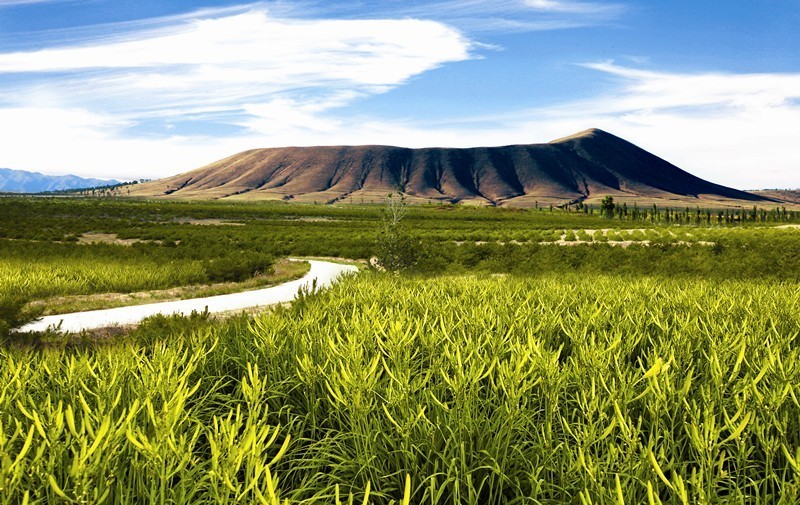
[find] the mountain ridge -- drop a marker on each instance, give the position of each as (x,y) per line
(23,181)
(583,167)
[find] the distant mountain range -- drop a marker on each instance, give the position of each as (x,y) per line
(584,167)
(21,181)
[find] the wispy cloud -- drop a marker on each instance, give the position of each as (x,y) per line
(574,7)
(736,129)
(501,15)
(156,97)
(9,3)
(82,142)
(244,69)
(250,55)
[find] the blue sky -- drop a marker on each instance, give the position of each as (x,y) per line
(151,88)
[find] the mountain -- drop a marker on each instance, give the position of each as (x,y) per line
(20,181)
(789,196)
(584,167)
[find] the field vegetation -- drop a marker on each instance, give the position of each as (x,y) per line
(501,366)
(281,271)
(480,389)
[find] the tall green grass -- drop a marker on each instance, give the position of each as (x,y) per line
(556,389)
(23,280)
(42,278)
(35,271)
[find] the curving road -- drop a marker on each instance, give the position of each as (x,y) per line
(323,272)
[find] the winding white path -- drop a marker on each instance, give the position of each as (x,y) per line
(323,272)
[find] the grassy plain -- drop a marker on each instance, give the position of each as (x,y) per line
(282,271)
(502,367)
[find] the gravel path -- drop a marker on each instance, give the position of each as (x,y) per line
(323,272)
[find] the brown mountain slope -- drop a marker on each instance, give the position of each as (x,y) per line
(583,167)
(788,196)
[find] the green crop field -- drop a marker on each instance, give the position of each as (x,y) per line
(519,357)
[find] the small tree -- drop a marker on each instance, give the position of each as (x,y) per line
(607,207)
(13,313)
(396,251)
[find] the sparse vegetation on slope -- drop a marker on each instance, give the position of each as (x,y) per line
(584,167)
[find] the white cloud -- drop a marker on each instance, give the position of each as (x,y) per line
(572,7)
(270,75)
(738,130)
(734,129)
(234,59)
(332,49)
(8,3)
(277,81)
(509,15)
(62,141)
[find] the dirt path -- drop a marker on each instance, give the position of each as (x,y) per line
(323,272)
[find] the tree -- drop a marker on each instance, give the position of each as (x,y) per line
(13,313)
(396,251)
(607,207)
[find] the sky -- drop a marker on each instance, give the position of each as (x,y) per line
(146,89)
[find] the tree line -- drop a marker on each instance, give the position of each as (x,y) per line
(610,209)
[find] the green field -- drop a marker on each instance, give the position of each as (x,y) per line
(521,357)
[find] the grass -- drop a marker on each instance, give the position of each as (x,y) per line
(283,271)
(64,276)
(552,389)
(508,371)
(54,276)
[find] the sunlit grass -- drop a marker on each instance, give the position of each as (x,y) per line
(46,277)
(283,271)
(464,389)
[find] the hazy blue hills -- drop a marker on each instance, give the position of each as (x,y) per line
(21,181)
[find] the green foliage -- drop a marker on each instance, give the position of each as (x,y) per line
(396,250)
(607,207)
(181,243)
(479,389)
(666,371)
(237,268)
(12,312)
